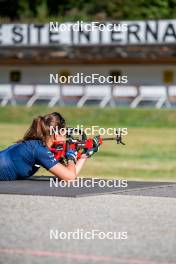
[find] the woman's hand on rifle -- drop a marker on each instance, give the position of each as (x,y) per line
(96,144)
(72,155)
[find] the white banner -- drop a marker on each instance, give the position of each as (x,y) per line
(125,33)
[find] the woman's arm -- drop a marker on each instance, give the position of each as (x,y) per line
(66,173)
(80,164)
(70,171)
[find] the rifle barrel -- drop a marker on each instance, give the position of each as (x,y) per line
(109,138)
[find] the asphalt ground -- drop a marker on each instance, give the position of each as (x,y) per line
(149,224)
(168,190)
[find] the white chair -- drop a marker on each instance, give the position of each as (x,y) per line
(6,94)
(120,92)
(75,91)
(171,92)
(96,92)
(23,90)
(151,93)
(45,92)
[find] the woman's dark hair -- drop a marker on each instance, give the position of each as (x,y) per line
(40,127)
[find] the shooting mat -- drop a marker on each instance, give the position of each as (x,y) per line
(41,186)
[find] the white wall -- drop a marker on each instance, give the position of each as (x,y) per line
(137,74)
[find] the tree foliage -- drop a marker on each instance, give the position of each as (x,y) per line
(72,10)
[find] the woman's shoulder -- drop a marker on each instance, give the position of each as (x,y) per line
(33,142)
(36,141)
(37,144)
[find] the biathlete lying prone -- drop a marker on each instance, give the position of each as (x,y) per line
(24,158)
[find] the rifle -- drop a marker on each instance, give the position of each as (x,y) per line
(81,144)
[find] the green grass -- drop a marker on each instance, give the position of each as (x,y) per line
(113,117)
(149,153)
